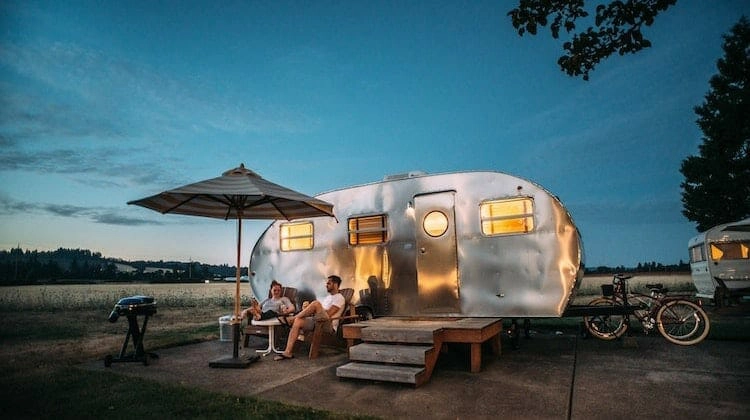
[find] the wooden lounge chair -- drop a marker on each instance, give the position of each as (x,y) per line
(289,292)
(320,335)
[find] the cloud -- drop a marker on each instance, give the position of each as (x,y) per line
(29,115)
(65,210)
(107,216)
(113,218)
(100,167)
(73,91)
(109,122)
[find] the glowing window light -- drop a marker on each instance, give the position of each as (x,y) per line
(435,223)
(507,216)
(296,236)
(368,230)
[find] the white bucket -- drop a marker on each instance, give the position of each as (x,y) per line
(225,328)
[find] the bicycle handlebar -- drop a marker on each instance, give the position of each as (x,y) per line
(620,277)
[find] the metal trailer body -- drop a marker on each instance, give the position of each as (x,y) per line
(414,245)
(720,260)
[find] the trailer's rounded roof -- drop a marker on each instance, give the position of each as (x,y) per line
(740,226)
(421,174)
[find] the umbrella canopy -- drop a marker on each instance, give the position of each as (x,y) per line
(238,193)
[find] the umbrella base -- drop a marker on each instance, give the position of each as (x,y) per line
(230,362)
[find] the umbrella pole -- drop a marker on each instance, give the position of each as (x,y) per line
(236,332)
(235,361)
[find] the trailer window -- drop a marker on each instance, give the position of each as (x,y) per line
(698,253)
(509,216)
(435,223)
(368,230)
(730,250)
(296,236)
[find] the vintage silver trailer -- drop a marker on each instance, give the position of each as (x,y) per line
(480,244)
(720,261)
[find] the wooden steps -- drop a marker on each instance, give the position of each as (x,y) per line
(393,354)
(387,373)
(399,335)
(406,350)
(390,353)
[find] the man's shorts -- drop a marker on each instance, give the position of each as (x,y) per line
(310,322)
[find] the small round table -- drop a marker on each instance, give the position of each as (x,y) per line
(271,324)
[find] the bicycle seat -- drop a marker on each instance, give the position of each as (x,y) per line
(658,287)
(622,276)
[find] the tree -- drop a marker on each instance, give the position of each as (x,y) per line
(717,182)
(618,28)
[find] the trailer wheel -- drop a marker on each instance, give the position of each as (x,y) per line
(719,294)
(605,327)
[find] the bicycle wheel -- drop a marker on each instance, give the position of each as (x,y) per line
(682,322)
(605,327)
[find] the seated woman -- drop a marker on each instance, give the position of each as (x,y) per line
(276,305)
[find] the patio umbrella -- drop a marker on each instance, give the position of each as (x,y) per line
(238,193)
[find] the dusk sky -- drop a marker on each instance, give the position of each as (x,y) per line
(103,102)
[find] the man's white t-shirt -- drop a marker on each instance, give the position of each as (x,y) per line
(333,300)
(336,300)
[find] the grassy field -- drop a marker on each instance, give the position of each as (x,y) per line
(104,296)
(591,284)
(47,331)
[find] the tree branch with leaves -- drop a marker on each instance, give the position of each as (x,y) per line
(617,28)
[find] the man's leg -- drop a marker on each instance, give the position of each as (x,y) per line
(313,308)
(293,334)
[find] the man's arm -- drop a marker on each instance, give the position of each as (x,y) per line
(333,310)
(338,303)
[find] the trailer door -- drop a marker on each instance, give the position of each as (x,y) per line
(437,260)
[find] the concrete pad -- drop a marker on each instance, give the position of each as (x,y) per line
(551,376)
(189,365)
(662,380)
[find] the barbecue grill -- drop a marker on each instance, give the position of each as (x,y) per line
(132,307)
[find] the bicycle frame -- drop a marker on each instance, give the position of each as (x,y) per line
(678,318)
(647,305)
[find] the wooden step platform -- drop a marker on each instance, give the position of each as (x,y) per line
(405,350)
(390,353)
(386,373)
(400,334)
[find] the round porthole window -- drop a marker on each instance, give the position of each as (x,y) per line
(435,223)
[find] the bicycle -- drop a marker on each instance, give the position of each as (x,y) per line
(679,320)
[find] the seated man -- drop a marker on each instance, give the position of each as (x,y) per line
(331,306)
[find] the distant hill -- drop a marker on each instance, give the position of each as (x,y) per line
(18,267)
(647,267)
